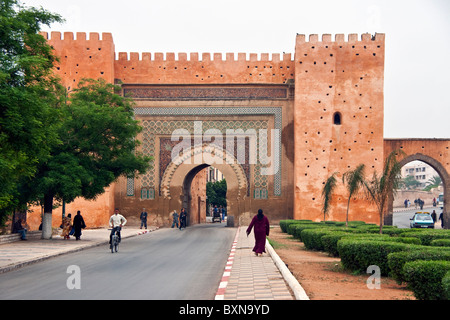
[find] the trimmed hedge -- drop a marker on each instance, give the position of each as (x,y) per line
(357,254)
(425,278)
(446,285)
(292,226)
(312,237)
(330,241)
(404,254)
(428,235)
(297,230)
(285,223)
(397,260)
(440,243)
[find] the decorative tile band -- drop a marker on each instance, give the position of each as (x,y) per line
(214,111)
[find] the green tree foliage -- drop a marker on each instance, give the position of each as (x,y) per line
(98,145)
(353,180)
(377,189)
(380,187)
(327,193)
(433,182)
(409,183)
(216,193)
(28,97)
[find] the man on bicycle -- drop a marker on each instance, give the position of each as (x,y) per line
(117,221)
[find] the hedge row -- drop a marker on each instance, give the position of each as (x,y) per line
(360,245)
(426,279)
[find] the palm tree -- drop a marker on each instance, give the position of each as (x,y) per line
(433,182)
(353,180)
(327,193)
(380,187)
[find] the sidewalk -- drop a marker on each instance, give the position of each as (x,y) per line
(250,277)
(246,276)
(20,253)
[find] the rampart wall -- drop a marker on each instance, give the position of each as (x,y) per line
(338,110)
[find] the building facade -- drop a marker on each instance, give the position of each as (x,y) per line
(275,125)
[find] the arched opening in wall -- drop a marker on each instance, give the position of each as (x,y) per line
(216,195)
(422,190)
(337,118)
(204,195)
(184,171)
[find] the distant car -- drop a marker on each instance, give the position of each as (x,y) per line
(422,220)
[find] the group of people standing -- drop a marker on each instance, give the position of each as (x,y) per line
(74,227)
(179,220)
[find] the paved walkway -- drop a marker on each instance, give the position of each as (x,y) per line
(250,277)
(246,276)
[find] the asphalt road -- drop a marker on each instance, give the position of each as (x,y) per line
(401,218)
(168,264)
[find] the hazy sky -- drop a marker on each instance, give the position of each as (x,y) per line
(417,66)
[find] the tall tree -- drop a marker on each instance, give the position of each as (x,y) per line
(353,181)
(98,144)
(380,187)
(216,193)
(28,95)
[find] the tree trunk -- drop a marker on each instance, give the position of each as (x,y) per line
(348,206)
(47,218)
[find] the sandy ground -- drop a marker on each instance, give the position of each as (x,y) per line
(323,278)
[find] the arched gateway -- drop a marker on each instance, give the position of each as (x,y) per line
(237,129)
(434,152)
(179,175)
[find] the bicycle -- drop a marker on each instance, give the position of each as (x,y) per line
(115,240)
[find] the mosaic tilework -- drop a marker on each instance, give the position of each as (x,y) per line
(153,128)
(160,127)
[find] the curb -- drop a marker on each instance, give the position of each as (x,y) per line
(295,286)
(220,294)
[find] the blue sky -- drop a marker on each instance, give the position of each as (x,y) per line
(417,66)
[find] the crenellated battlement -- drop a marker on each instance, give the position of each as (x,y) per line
(340,38)
(80,36)
(196,57)
(93,55)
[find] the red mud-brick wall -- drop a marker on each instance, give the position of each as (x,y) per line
(158,68)
(344,77)
(81,56)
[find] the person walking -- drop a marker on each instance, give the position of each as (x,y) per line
(78,224)
(261,227)
(175,218)
(144,218)
(183,215)
(66,226)
(434,216)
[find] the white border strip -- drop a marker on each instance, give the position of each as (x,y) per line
(299,292)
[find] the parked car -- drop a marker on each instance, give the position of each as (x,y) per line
(422,220)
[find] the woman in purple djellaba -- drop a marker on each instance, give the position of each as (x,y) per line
(261,226)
